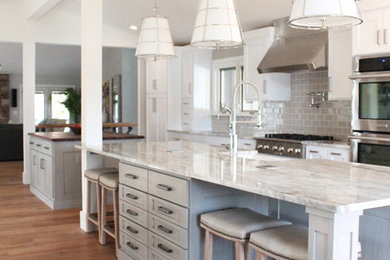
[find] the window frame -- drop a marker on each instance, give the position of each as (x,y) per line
(47,91)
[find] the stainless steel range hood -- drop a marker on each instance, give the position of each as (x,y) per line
(295,49)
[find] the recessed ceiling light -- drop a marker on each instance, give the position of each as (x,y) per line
(133,27)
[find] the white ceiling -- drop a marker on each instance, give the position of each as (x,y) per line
(120,14)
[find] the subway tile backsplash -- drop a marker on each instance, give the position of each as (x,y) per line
(296,116)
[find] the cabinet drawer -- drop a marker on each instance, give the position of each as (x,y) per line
(313,152)
(133,196)
(155,256)
(41,146)
(166,248)
(176,214)
(133,213)
(173,233)
(335,154)
(169,188)
(132,247)
(133,176)
(134,230)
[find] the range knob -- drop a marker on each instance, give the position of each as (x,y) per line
(266,147)
(290,150)
(298,151)
(274,148)
(260,147)
(281,149)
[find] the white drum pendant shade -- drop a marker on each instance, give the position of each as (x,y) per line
(155,40)
(216,25)
(324,14)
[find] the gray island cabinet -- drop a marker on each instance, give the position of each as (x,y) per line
(166,186)
(55,167)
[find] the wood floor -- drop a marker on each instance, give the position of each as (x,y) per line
(31,230)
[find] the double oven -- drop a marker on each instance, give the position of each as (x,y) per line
(370,142)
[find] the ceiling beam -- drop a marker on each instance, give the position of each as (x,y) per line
(37,8)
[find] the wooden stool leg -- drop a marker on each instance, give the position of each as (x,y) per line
(103,217)
(88,209)
(116,218)
(240,250)
(260,256)
(99,205)
(208,246)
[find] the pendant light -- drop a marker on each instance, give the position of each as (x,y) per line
(155,40)
(324,14)
(216,25)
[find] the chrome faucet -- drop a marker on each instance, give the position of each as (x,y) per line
(233,114)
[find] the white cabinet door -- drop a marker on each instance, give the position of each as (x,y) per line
(34,168)
(273,86)
(156,76)
(386,30)
(368,37)
(315,152)
(46,174)
(156,115)
(188,72)
(340,64)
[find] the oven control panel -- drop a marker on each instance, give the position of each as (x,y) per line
(282,148)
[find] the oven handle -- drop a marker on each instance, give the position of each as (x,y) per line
(375,139)
(365,76)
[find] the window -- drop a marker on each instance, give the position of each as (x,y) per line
(48,104)
(227,74)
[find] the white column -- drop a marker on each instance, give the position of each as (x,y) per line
(28,103)
(333,236)
(91,90)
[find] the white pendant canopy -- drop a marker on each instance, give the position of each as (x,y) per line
(216,25)
(324,14)
(155,39)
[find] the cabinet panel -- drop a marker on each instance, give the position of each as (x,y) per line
(188,70)
(368,37)
(70,186)
(156,115)
(46,173)
(386,29)
(335,154)
(156,76)
(34,168)
(313,152)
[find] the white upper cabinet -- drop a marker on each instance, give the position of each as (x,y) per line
(373,35)
(156,76)
(273,86)
(340,64)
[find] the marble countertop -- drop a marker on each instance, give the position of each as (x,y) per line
(328,185)
(333,144)
(208,133)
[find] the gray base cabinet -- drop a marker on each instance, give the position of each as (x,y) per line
(56,173)
(159,215)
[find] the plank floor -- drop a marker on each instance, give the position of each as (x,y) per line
(31,230)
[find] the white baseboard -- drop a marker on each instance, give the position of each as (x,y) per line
(26,178)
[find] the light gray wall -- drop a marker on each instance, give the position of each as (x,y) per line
(129,87)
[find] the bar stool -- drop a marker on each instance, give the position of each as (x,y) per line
(109,182)
(234,225)
(92,176)
(282,243)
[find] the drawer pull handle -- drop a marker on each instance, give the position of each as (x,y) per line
(133,213)
(165,249)
(47,148)
(131,176)
(247,144)
(31,142)
(132,246)
(337,154)
(164,229)
(165,210)
(164,187)
(39,145)
(313,151)
(132,230)
(131,196)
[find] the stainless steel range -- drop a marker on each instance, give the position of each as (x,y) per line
(290,145)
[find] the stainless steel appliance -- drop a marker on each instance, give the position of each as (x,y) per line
(290,145)
(371,94)
(371,148)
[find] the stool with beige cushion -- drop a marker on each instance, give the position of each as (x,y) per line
(109,182)
(234,225)
(282,243)
(92,176)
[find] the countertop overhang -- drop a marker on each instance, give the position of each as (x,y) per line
(69,136)
(328,185)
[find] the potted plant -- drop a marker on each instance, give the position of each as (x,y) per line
(73,104)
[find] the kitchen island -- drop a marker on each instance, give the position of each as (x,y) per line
(55,166)
(334,194)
